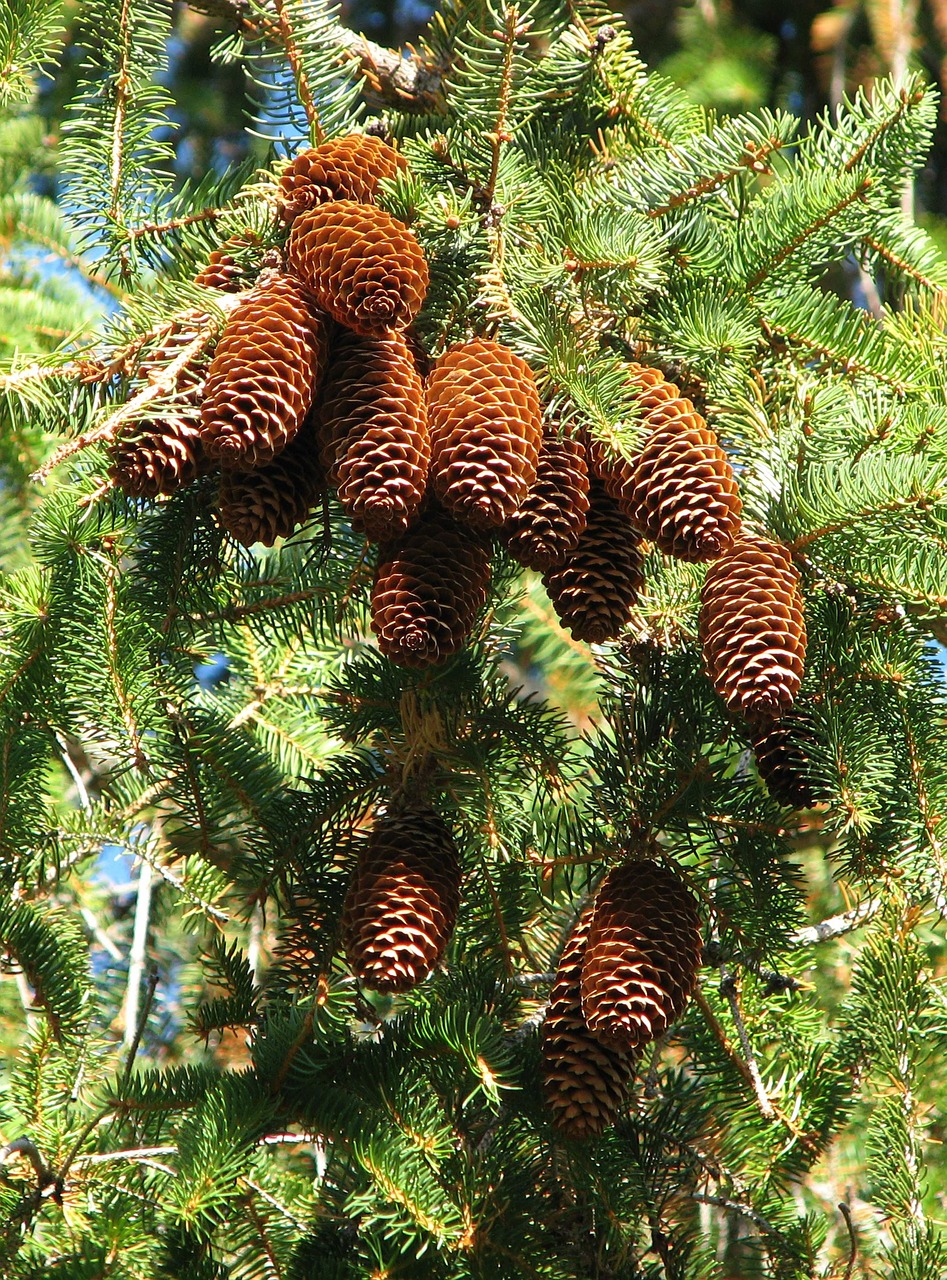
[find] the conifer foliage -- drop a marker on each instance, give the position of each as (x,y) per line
(372,905)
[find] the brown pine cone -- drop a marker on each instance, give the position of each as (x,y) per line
(752,628)
(679,491)
(486,431)
(548,524)
(402,905)
(594,589)
(783,761)
(160,454)
(584,1081)
(266,369)
(373,429)
(223,271)
(363,266)
(642,956)
(429,588)
(341,169)
(270,502)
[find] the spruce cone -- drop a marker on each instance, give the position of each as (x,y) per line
(374,433)
(342,169)
(552,518)
(584,1081)
(680,490)
(783,763)
(594,589)
(364,266)
(429,588)
(752,628)
(223,271)
(158,455)
(642,956)
(486,431)
(264,374)
(402,905)
(269,503)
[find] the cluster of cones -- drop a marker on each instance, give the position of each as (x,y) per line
(318,380)
(623,979)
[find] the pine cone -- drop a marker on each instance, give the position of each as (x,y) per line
(270,502)
(223,271)
(158,455)
(374,433)
(552,517)
(783,761)
(264,374)
(584,1081)
(680,490)
(402,905)
(642,956)
(594,589)
(486,431)
(752,628)
(341,169)
(364,266)
(429,588)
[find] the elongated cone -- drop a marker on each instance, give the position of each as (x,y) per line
(341,169)
(486,431)
(223,271)
(429,588)
(584,1081)
(782,758)
(402,905)
(617,473)
(373,428)
(364,266)
(642,956)
(160,454)
(549,522)
(266,369)
(752,628)
(270,502)
(595,587)
(680,490)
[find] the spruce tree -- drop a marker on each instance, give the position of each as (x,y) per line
(581,919)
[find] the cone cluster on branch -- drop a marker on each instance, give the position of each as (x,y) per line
(436,461)
(624,978)
(402,904)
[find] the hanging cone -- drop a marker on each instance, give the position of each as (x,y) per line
(783,761)
(486,431)
(680,490)
(548,524)
(223,271)
(594,589)
(617,473)
(642,956)
(266,369)
(429,588)
(272,501)
(402,905)
(341,169)
(160,454)
(752,628)
(584,1081)
(373,428)
(363,266)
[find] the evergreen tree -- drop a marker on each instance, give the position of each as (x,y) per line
(581,919)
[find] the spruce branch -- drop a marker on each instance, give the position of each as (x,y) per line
(825,219)
(290,44)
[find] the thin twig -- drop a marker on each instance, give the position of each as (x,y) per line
(835,926)
(734,1206)
(317,134)
(846,1213)
(729,989)
(136,959)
